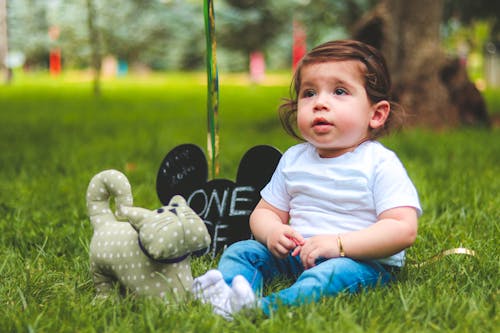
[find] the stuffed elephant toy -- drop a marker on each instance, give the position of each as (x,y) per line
(146,252)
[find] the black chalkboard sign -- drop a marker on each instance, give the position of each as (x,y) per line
(224,205)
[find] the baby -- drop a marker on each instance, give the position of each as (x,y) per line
(340,208)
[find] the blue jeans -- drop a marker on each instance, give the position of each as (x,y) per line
(255,262)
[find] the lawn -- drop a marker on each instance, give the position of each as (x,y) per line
(54,136)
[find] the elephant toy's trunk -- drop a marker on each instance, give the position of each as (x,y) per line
(103,186)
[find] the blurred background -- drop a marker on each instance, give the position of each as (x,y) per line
(169,34)
(434,48)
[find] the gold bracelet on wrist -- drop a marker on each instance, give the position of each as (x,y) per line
(341,247)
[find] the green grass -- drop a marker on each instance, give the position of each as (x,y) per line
(54,136)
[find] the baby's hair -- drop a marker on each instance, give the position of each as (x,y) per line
(377,82)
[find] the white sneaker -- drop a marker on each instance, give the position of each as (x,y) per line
(211,288)
(243,296)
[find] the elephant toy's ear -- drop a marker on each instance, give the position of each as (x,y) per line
(257,166)
(183,170)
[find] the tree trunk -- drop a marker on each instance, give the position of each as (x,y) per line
(407,33)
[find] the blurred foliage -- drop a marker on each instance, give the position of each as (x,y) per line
(157,33)
(250,25)
(469,11)
(169,34)
(468,43)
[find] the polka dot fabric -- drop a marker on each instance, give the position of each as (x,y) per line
(168,233)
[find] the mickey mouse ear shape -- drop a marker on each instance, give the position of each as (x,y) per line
(257,166)
(183,170)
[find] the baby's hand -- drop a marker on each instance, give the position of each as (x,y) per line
(282,240)
(323,246)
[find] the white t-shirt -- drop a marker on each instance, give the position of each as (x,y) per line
(341,194)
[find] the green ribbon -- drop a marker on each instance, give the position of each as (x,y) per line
(213,90)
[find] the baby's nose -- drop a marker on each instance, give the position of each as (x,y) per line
(321,103)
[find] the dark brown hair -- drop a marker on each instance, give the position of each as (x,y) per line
(375,73)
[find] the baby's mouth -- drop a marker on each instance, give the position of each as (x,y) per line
(321,122)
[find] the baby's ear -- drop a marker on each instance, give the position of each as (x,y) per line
(183,170)
(380,112)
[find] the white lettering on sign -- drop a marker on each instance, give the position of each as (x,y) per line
(218,203)
(201,193)
(215,200)
(218,239)
(235,198)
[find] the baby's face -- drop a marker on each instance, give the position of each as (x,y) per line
(334,111)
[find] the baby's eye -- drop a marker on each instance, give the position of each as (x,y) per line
(340,91)
(308,93)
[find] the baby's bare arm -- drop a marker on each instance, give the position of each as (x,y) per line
(395,230)
(269,226)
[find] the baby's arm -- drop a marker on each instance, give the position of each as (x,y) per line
(269,226)
(395,230)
